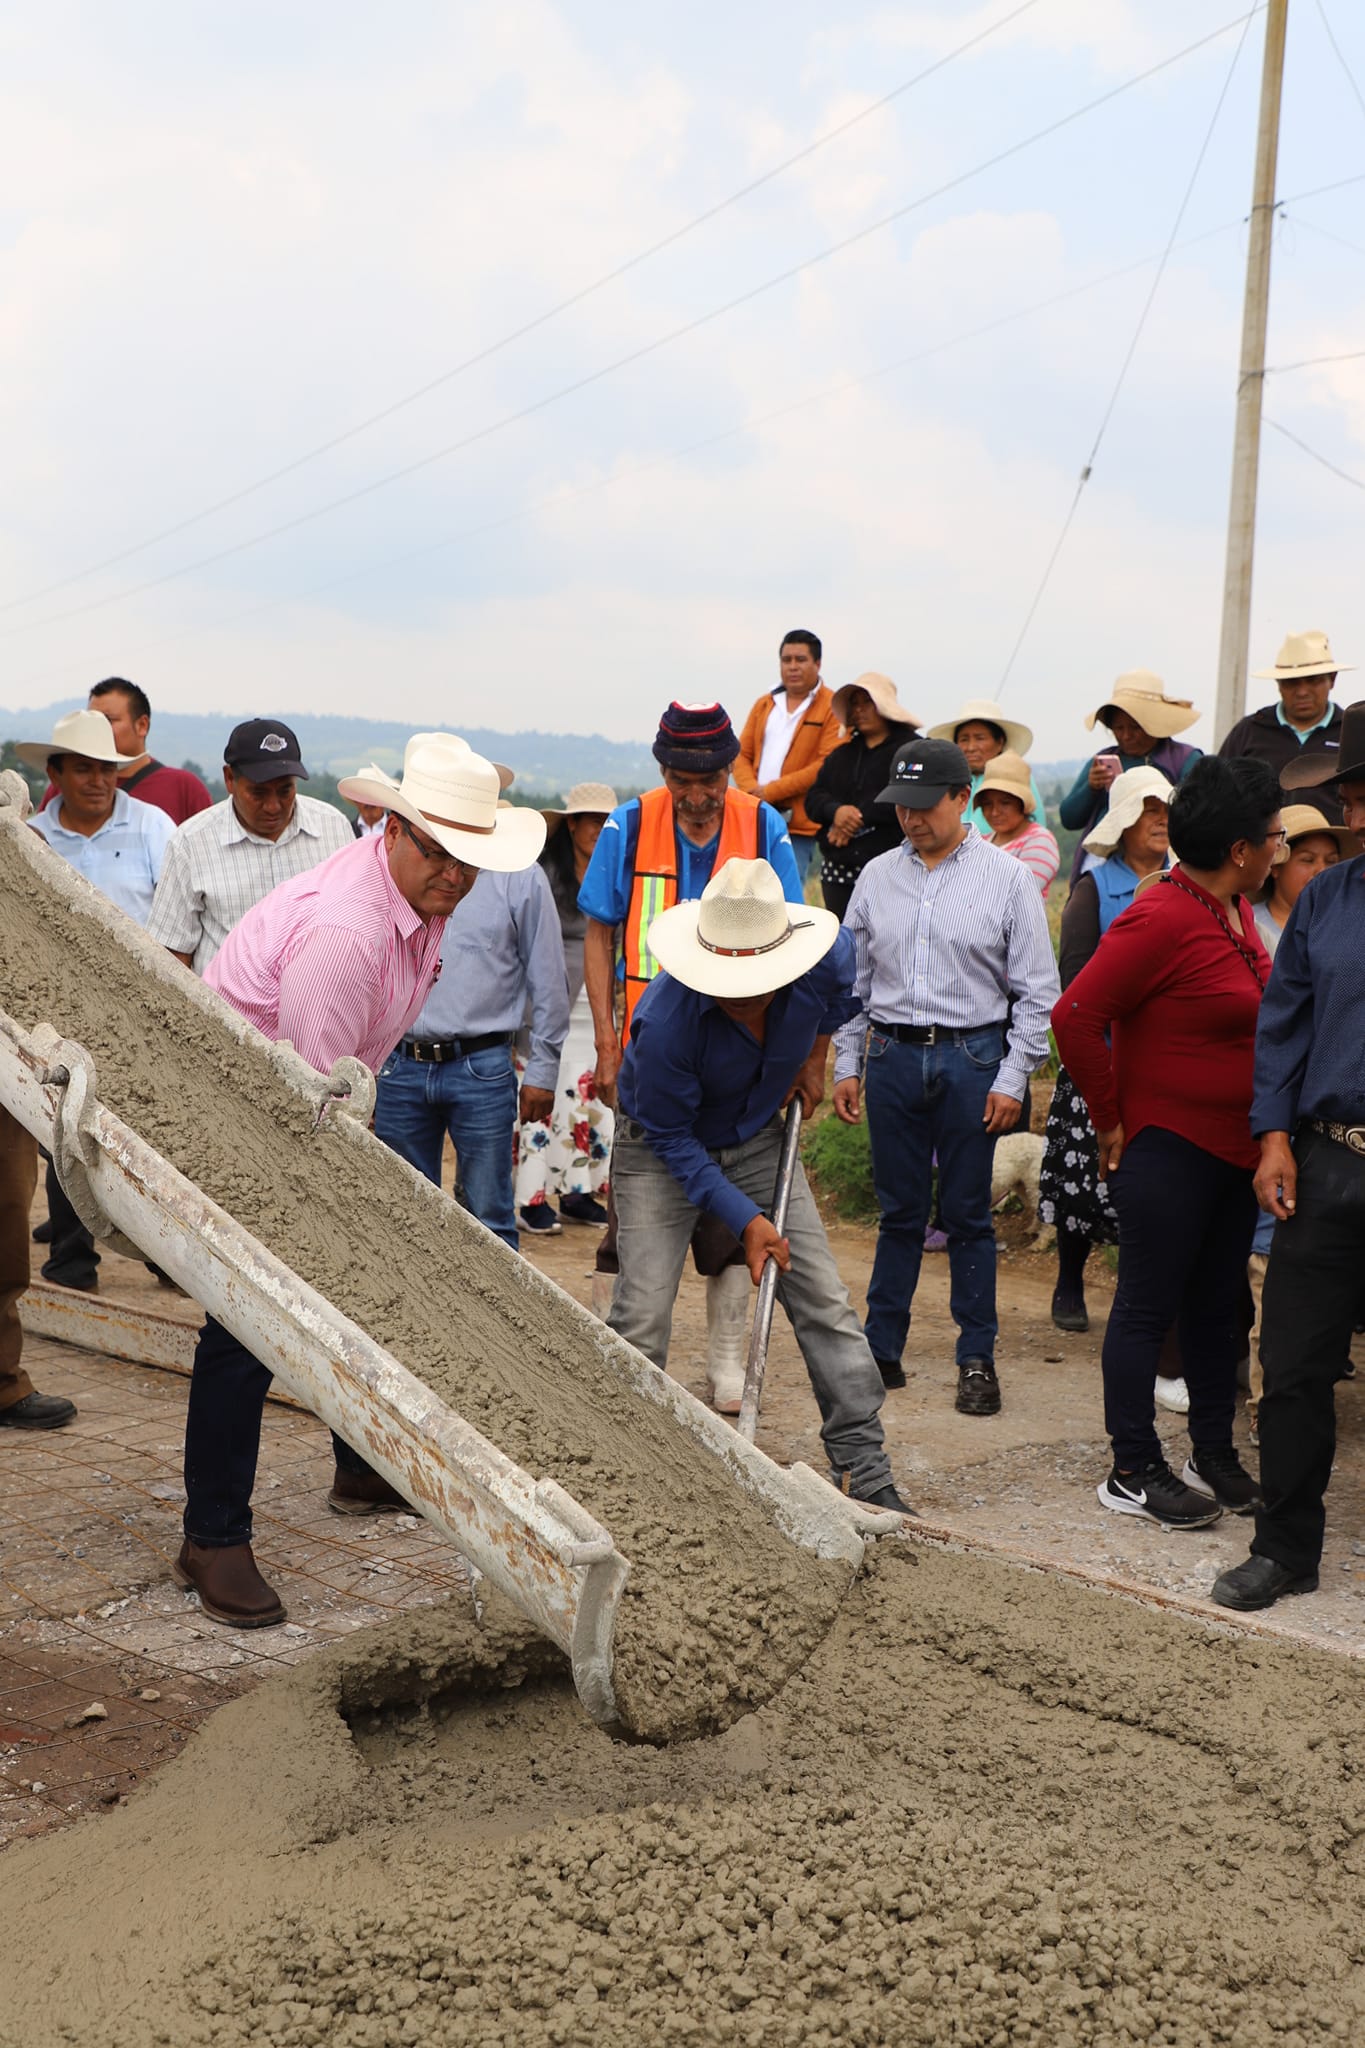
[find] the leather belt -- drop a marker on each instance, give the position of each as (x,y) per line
(440,1051)
(1352,1136)
(931,1034)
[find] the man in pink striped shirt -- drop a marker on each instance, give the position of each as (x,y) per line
(339,961)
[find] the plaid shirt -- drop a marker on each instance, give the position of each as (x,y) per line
(215,870)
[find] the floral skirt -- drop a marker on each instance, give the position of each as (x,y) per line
(1071,1195)
(571,1154)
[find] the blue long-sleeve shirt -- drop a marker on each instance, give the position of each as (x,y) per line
(1310,1039)
(502,951)
(698,1082)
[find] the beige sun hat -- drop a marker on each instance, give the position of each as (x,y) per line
(1127,795)
(1010,773)
(452,793)
(882,691)
(597,798)
(740,938)
(79,732)
(984,711)
(1143,696)
(1303,654)
(1300,820)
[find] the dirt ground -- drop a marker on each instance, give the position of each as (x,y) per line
(89,1519)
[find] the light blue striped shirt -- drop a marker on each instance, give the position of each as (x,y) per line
(123,859)
(502,957)
(952,945)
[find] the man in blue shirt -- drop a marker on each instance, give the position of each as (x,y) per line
(654,851)
(739,1021)
(119,845)
(1308,1110)
(454,1072)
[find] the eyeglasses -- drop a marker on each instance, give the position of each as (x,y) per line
(1281,836)
(437,855)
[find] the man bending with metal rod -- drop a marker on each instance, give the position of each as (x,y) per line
(738,1022)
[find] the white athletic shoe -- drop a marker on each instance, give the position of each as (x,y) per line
(1172,1394)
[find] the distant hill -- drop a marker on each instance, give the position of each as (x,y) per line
(544,761)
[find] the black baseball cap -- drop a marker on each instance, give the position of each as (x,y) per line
(263,750)
(923,771)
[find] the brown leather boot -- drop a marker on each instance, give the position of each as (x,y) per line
(364,1493)
(230,1588)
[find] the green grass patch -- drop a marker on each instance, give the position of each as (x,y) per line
(838,1160)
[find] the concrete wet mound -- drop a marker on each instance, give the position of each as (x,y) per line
(719,1605)
(993,1808)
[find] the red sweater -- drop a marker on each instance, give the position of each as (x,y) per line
(1179,995)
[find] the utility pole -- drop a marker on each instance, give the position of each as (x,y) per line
(1234,644)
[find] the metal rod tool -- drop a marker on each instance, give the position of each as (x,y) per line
(757,1363)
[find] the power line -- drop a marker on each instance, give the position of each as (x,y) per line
(1344,474)
(1124,367)
(646,349)
(1341,56)
(1350,355)
(577,298)
(1328,235)
(557,499)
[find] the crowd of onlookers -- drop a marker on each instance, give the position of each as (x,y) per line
(1207,1001)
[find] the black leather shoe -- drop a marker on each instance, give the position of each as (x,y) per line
(1260,1582)
(892,1372)
(42,1232)
(885,1497)
(978,1389)
(38,1411)
(364,1493)
(83,1280)
(1069,1312)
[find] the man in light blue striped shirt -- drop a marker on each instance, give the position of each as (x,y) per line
(955,979)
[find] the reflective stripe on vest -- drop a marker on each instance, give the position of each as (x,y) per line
(654,885)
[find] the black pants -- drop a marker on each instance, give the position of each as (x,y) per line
(72,1259)
(1310,1304)
(1186,1221)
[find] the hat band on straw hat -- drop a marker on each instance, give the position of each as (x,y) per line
(804,924)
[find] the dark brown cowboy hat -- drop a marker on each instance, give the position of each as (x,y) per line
(1343,762)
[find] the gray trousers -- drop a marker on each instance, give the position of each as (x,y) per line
(656,1222)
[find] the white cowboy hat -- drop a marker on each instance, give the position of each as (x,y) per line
(882,691)
(598,799)
(741,938)
(1127,795)
(984,711)
(1143,696)
(79,732)
(1010,773)
(452,793)
(1303,654)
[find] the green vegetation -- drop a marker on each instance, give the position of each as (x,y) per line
(839,1161)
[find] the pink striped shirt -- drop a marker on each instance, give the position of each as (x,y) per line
(336,960)
(1039,852)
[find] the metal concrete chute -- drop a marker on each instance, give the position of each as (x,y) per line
(526,1533)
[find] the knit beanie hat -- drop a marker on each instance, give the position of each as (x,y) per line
(698,738)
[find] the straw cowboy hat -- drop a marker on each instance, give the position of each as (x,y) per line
(452,793)
(1301,821)
(1333,763)
(1010,773)
(1143,696)
(79,732)
(1303,654)
(599,799)
(984,711)
(740,939)
(882,691)
(1127,795)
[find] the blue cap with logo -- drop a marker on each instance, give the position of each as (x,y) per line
(264,750)
(923,771)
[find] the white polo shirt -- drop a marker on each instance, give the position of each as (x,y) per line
(215,871)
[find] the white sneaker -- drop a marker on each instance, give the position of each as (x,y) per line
(1172,1394)
(728,1296)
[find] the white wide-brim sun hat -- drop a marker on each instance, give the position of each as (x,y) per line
(882,691)
(742,938)
(452,793)
(1143,696)
(984,711)
(79,732)
(1127,795)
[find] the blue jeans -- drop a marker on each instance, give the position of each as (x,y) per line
(922,1100)
(803,846)
(475,1100)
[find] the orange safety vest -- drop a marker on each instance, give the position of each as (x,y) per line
(654,886)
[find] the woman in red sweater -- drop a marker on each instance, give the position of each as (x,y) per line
(1158,1032)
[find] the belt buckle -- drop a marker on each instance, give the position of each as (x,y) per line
(1353,1137)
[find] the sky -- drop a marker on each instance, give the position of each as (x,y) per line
(230,236)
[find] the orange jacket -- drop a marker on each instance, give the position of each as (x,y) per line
(654,884)
(818,734)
